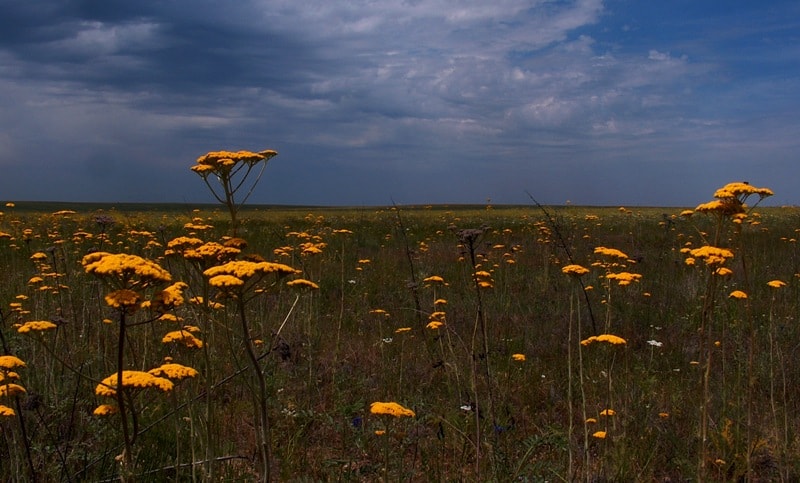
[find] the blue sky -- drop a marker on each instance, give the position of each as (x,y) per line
(441,101)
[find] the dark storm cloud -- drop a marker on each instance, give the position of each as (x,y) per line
(419,101)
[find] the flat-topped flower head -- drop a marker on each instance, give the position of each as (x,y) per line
(302,283)
(36,326)
(172,370)
(124,268)
(776,283)
(222,162)
(211,251)
(391,409)
(123,299)
(711,255)
(607,338)
(7,390)
(132,379)
(184,337)
(170,297)
(244,269)
(610,252)
(10,362)
(624,278)
(574,270)
(730,199)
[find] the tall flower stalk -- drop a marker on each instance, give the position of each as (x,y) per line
(128,277)
(729,210)
(231,170)
(242,281)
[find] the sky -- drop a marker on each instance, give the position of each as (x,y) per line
(374,102)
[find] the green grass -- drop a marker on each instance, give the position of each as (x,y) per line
(333,357)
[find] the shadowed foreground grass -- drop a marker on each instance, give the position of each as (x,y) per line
(461,315)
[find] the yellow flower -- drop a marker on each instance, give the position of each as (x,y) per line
(723,271)
(222,162)
(518,357)
(607,412)
(123,266)
(134,379)
(624,278)
(184,337)
(6,411)
(435,324)
(738,294)
(10,362)
(591,420)
(105,410)
(599,434)
(440,302)
(170,297)
(663,415)
(245,270)
(433,279)
(222,281)
(609,338)
(776,283)
(122,299)
(36,325)
(211,251)
(574,270)
(610,252)
(11,390)
(302,283)
(390,408)
(712,255)
(402,329)
(379,432)
(173,371)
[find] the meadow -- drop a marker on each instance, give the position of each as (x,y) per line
(398,343)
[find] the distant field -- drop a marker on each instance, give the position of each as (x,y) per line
(462,315)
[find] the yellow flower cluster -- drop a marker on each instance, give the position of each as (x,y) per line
(731,197)
(172,370)
(391,409)
(222,162)
(610,252)
(575,270)
(8,388)
(211,251)
(608,338)
(124,267)
(711,255)
(123,299)
(302,283)
(170,297)
(184,337)
(484,279)
(624,278)
(236,273)
(132,379)
(10,362)
(36,326)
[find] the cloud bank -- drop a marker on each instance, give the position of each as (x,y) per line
(439,101)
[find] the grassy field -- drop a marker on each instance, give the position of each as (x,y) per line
(505,368)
